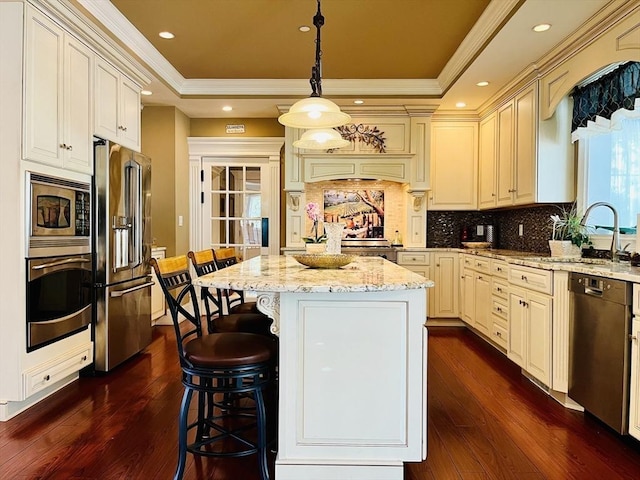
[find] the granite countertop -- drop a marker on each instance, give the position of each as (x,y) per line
(279,273)
(589,266)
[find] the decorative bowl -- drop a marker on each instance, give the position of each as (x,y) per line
(476,244)
(324,260)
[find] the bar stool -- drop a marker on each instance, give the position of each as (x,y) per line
(218,366)
(237,319)
(225,257)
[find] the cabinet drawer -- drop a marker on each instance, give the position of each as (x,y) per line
(49,373)
(499,333)
(499,268)
(477,264)
(414,258)
(532,278)
(500,288)
(500,308)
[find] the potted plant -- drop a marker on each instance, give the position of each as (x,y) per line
(315,243)
(568,234)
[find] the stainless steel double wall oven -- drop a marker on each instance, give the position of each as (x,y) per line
(59,261)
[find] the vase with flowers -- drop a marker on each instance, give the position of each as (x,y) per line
(315,243)
(568,234)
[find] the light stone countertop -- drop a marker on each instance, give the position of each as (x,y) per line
(589,266)
(280,273)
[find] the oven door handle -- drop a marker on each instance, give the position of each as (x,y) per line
(60,262)
(120,293)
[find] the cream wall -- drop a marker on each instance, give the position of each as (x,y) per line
(164,139)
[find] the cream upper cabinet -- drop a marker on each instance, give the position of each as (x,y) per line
(58,92)
(534,158)
(454,166)
(516,159)
(117,106)
(487,181)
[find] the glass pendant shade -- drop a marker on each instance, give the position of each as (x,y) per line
(314,112)
(321,139)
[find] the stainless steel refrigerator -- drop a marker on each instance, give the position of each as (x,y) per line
(122,236)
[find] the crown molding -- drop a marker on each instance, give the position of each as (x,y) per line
(300,87)
(107,14)
(77,23)
(496,13)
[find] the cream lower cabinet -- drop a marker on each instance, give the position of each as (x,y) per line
(420,262)
(158,304)
(476,292)
(634,401)
(499,329)
(530,332)
(444,296)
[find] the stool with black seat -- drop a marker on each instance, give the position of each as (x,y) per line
(217,366)
(236,303)
(235,319)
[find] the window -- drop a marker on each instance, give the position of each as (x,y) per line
(610,162)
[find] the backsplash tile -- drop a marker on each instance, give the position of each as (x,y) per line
(444,228)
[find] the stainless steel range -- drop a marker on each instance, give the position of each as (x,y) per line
(370,248)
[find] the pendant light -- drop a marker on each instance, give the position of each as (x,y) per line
(315,111)
(321,139)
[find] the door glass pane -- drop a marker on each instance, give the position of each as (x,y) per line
(236,205)
(253,179)
(236,179)
(218,178)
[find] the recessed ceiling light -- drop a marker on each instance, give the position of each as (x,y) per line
(227,108)
(145,92)
(543,27)
(482,84)
(167,35)
(461,104)
(358,102)
(304,28)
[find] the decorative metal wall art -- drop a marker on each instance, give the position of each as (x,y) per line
(363,133)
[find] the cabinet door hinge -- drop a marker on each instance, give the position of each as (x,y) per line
(202,197)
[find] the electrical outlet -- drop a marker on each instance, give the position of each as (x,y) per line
(521,230)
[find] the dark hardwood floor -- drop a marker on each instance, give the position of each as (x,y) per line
(486,421)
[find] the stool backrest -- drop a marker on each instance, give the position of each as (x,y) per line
(175,281)
(225,257)
(204,261)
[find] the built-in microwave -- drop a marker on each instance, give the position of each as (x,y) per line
(60,216)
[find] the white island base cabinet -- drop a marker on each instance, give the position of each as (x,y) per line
(352,384)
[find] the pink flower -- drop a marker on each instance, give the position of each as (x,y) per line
(313,211)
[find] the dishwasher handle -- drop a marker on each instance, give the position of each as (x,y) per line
(594,292)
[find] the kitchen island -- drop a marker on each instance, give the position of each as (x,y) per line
(353,352)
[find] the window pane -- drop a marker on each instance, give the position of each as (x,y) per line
(236,205)
(253,179)
(236,179)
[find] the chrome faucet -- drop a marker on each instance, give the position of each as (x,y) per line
(615,241)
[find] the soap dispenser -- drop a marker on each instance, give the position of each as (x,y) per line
(397,240)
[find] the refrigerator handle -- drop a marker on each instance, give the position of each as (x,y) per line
(133,189)
(120,293)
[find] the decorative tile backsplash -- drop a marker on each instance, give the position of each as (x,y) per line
(444,229)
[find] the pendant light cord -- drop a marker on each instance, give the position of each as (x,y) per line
(316,70)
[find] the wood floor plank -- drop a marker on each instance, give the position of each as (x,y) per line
(485,421)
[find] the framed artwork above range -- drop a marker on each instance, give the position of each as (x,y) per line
(361,211)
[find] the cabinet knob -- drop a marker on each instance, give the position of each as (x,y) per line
(47,378)
(523,277)
(63,145)
(437,264)
(70,147)
(633,338)
(498,334)
(84,358)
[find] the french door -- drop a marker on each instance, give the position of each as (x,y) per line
(234,212)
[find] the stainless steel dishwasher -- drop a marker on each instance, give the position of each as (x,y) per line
(599,354)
